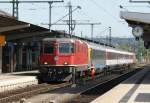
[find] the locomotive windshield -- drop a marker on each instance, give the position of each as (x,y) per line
(65,48)
(48,48)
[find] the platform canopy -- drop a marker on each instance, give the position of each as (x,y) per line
(137,19)
(14,29)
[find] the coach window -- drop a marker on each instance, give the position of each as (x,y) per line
(111,55)
(48,48)
(114,56)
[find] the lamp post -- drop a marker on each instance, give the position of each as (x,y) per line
(109,35)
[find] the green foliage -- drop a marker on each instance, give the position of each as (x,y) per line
(125,47)
(142,52)
(138,48)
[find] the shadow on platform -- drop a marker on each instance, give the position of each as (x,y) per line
(141,77)
(27,74)
(143,97)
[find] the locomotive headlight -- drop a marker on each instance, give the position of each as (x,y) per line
(45,63)
(65,63)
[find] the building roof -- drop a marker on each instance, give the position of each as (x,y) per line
(15,29)
(5,14)
(136,16)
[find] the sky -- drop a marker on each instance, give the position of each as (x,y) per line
(107,12)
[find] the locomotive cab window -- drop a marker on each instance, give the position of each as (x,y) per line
(66,48)
(48,49)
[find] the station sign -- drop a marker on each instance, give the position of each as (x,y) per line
(2,40)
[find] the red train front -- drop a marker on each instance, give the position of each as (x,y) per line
(58,56)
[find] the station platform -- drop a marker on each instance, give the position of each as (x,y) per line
(136,89)
(17,80)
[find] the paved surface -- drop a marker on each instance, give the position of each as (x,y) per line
(136,89)
(17,80)
(6,76)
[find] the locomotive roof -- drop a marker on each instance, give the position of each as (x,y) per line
(91,45)
(58,39)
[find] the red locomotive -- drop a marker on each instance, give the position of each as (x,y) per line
(60,55)
(64,52)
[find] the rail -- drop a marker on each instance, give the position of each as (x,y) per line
(90,94)
(30,91)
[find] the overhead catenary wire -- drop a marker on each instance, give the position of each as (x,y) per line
(78,7)
(108,13)
(83,13)
(103,31)
(101,8)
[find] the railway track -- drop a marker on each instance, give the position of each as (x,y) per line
(16,95)
(92,93)
(85,97)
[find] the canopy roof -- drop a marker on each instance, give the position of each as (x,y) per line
(139,19)
(136,16)
(15,29)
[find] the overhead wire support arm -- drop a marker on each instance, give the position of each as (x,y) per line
(15,11)
(92,26)
(77,24)
(55,23)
